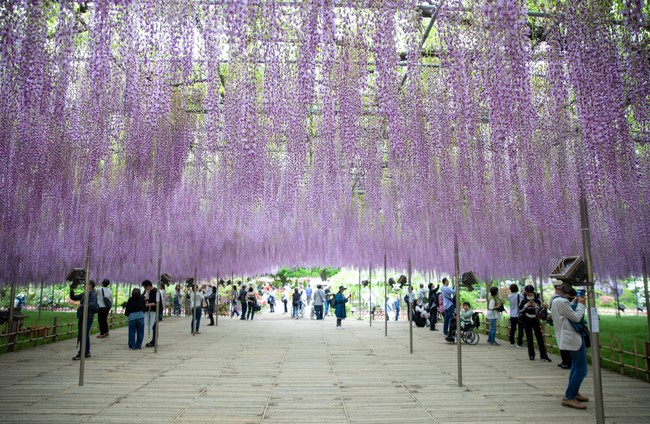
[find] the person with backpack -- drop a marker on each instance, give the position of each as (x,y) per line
(529,308)
(150,299)
(495,307)
(135,308)
(93,309)
(212,303)
(339,307)
(295,303)
(514,299)
(271,300)
(105,300)
(447,294)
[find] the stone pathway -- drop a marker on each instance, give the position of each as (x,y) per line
(278,370)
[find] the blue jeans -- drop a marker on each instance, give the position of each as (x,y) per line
(177,309)
(80,328)
(449,312)
(578,371)
(492,335)
(396,313)
(136,327)
(197,319)
(327,308)
(295,310)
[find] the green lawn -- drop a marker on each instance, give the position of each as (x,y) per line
(624,330)
(66,328)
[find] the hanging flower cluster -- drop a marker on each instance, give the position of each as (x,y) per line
(238,136)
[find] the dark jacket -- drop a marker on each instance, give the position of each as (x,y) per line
(151,298)
(135,304)
(92,299)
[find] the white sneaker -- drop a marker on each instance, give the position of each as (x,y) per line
(339,328)
(512,345)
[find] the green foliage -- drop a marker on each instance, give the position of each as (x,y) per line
(285,273)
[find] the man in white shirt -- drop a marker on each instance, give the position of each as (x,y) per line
(105,300)
(448,302)
(568,338)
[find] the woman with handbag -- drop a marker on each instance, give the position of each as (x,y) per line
(529,308)
(105,300)
(212,301)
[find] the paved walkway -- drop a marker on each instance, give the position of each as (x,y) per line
(278,370)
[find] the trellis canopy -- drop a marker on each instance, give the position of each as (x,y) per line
(237,136)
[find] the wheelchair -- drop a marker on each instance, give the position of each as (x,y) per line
(467,333)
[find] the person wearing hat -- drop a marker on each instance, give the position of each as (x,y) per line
(340,300)
(569,339)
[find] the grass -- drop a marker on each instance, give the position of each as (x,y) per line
(626,330)
(66,328)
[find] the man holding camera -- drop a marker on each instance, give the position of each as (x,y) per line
(568,338)
(92,301)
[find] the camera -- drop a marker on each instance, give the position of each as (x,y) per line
(580,293)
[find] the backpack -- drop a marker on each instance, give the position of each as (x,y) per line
(476,320)
(332,302)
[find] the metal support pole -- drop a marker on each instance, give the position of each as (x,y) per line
(409,305)
(592,311)
(359,301)
(385,300)
(216,304)
(158,293)
(117,296)
(52,308)
(541,285)
(645,289)
(193,302)
(84,320)
(40,304)
(12,300)
(370,295)
(459,357)
(618,304)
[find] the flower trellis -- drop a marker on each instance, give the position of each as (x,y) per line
(236,136)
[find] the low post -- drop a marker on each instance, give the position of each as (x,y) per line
(409,305)
(84,322)
(593,312)
(459,356)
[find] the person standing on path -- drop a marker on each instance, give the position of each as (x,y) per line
(396,306)
(242,301)
(433,306)
(528,310)
(285,299)
(196,298)
(319,301)
(212,303)
(105,300)
(495,306)
(569,339)
(514,300)
(251,299)
(135,308)
(150,298)
(340,301)
(295,303)
(448,302)
(177,300)
(92,302)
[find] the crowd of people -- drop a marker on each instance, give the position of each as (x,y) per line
(424,308)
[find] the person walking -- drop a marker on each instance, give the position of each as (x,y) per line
(285,299)
(409,299)
(514,299)
(233,302)
(295,303)
(495,306)
(396,306)
(212,303)
(105,301)
(176,299)
(528,309)
(340,300)
(448,302)
(251,299)
(196,298)
(135,309)
(564,318)
(319,301)
(328,296)
(271,300)
(92,302)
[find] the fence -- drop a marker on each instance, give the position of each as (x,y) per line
(59,328)
(612,356)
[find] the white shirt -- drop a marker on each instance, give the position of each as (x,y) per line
(562,312)
(491,313)
(108,294)
(514,299)
(195,299)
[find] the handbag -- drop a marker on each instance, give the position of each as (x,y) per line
(107,302)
